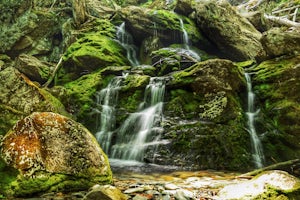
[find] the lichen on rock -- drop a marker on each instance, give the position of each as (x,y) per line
(53,152)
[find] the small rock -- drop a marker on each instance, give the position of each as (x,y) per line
(171,186)
(134,190)
(106,192)
(139,197)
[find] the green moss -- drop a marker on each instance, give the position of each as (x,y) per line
(212,145)
(81,94)
(131,101)
(134,81)
(183,103)
(165,20)
(7,175)
(49,182)
(99,27)
(103,49)
(88,54)
(214,108)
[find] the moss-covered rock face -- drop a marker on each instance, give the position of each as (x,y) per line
(277,84)
(211,134)
(278,42)
(89,53)
(20,97)
(234,35)
(164,24)
(33,32)
(51,153)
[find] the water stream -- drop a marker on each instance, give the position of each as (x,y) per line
(126,41)
(186,41)
(106,100)
(142,128)
(257,149)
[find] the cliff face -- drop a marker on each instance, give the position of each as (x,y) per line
(196,46)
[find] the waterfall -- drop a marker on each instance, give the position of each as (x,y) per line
(257,150)
(141,129)
(186,41)
(106,100)
(126,41)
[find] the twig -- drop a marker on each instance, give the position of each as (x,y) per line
(285,9)
(54,2)
(54,72)
(295,14)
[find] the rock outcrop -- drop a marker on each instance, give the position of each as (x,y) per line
(19,97)
(234,35)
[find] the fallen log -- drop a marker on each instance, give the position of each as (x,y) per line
(290,166)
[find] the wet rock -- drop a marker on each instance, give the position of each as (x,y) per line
(205,99)
(234,35)
(143,23)
(52,152)
(106,192)
(171,186)
(278,42)
(270,185)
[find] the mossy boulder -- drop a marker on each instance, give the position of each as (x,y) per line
(234,35)
(88,54)
(33,68)
(20,97)
(276,83)
(205,99)
(278,42)
(199,144)
(51,153)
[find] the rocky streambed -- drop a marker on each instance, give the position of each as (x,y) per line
(140,181)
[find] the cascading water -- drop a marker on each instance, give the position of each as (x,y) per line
(106,100)
(186,41)
(258,155)
(126,41)
(141,129)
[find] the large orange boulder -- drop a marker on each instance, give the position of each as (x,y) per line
(52,152)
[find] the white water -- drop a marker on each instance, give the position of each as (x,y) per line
(257,150)
(107,100)
(142,129)
(186,41)
(126,41)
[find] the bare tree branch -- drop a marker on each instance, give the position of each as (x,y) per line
(54,72)
(282,21)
